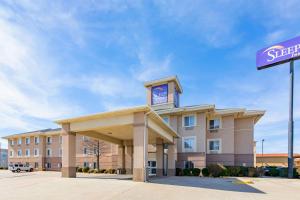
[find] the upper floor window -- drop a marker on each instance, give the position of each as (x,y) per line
(27,152)
(85,151)
(60,152)
(166,119)
(27,140)
(214,146)
(19,153)
(36,152)
(214,124)
(49,140)
(12,142)
(11,154)
(49,152)
(36,140)
(189,120)
(20,141)
(189,144)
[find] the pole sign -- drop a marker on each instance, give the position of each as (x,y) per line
(279,53)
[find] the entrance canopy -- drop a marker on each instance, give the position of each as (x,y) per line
(117,126)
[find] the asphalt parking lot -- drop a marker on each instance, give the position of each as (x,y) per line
(49,185)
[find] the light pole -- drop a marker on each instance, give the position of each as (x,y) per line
(262,152)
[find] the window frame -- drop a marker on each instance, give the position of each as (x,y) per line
(214,151)
(11,153)
(189,115)
(49,141)
(194,149)
(38,152)
(168,119)
(49,155)
(19,141)
(27,151)
(19,150)
(27,140)
(36,139)
(220,123)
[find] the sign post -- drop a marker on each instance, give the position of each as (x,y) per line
(287,51)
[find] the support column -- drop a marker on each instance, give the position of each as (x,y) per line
(140,148)
(68,152)
(128,156)
(172,157)
(159,157)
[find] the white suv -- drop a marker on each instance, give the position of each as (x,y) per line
(20,167)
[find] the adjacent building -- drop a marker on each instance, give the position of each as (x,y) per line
(3,158)
(155,138)
(276,159)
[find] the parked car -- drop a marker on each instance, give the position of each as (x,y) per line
(20,167)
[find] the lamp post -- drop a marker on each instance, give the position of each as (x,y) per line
(262,152)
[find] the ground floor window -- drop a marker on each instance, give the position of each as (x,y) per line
(188,165)
(214,146)
(59,165)
(95,165)
(85,164)
(152,167)
(48,165)
(36,165)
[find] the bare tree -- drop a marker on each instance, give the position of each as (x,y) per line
(95,147)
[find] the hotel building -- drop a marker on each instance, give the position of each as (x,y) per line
(146,140)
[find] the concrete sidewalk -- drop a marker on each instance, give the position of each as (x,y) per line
(49,185)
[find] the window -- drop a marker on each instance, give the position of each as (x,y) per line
(36,165)
(49,152)
(19,141)
(214,124)
(11,154)
(60,152)
(59,165)
(27,152)
(152,167)
(85,164)
(85,151)
(36,152)
(60,139)
(96,151)
(214,146)
(166,119)
(27,140)
(36,140)
(48,165)
(85,138)
(49,140)
(12,142)
(19,153)
(189,121)
(188,165)
(189,144)
(95,165)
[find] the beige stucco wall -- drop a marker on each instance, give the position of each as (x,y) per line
(226,134)
(244,136)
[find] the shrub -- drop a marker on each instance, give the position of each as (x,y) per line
(91,171)
(179,172)
(253,172)
(243,171)
(205,172)
(187,172)
(79,169)
(196,171)
(283,172)
(215,170)
(85,169)
(274,171)
(111,171)
(233,171)
(102,171)
(96,171)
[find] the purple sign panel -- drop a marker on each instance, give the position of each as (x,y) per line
(278,53)
(160,94)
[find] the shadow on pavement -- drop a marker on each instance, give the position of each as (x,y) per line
(225,184)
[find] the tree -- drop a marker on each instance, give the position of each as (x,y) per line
(91,146)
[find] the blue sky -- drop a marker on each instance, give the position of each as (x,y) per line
(60,59)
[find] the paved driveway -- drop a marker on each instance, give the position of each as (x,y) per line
(49,185)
